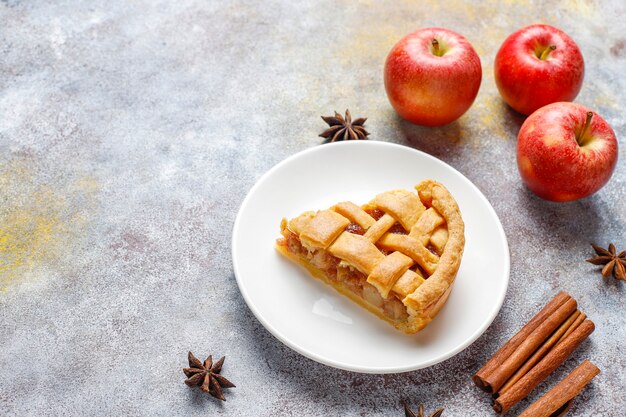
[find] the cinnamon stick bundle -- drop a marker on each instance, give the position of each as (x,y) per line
(492,376)
(562,394)
(553,359)
(561,333)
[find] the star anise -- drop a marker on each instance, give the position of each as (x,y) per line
(613,262)
(420,411)
(207,376)
(344,128)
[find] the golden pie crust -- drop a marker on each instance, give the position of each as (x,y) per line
(397,256)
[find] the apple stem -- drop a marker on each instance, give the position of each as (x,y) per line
(435,44)
(581,136)
(546,52)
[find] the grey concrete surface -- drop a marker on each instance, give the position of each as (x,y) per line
(130,132)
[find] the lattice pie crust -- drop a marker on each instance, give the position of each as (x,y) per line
(396,256)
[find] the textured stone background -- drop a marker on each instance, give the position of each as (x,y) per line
(130,133)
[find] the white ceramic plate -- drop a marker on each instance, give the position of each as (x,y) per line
(308,315)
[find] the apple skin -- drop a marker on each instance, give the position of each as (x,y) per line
(527,82)
(428,89)
(553,164)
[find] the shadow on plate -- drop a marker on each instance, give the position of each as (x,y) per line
(342,391)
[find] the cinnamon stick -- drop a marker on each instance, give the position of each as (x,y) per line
(532,342)
(540,353)
(480,378)
(573,327)
(545,367)
(564,409)
(563,392)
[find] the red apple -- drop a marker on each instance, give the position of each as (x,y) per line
(538,65)
(432,76)
(565,152)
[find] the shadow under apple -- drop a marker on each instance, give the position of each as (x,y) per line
(441,142)
(572,223)
(513,119)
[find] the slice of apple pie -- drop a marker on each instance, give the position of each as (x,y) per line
(397,255)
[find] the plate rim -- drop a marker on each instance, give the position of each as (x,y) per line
(339,365)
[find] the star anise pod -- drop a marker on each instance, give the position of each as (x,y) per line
(344,128)
(420,411)
(207,376)
(613,262)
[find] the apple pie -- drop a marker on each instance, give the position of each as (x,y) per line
(397,256)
